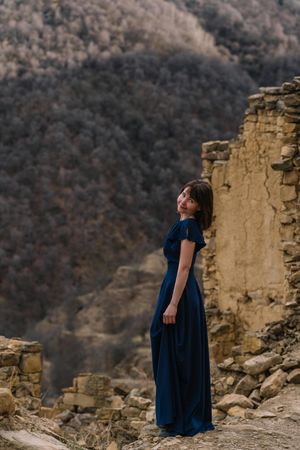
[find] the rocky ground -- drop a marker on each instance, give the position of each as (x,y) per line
(256,403)
(275,425)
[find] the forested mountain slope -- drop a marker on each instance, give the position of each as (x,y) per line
(263,37)
(91,161)
(41,36)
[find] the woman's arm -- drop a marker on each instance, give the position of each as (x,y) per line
(185,260)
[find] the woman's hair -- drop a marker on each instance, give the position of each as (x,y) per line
(201,191)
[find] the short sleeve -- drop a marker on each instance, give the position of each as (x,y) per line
(189,229)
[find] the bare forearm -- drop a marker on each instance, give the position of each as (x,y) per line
(181,279)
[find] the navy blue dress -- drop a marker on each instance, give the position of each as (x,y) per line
(180,355)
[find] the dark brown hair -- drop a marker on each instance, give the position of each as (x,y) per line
(201,191)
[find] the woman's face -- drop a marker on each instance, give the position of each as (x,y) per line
(186,205)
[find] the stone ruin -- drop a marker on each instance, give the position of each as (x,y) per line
(21,372)
(95,410)
(113,408)
(252,260)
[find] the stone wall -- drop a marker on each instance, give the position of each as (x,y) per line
(21,370)
(251,262)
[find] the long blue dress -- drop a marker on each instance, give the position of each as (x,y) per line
(180,355)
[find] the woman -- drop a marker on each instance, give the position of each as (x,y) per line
(178,332)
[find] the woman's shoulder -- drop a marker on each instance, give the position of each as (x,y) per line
(185,224)
(190,229)
(188,220)
(190,223)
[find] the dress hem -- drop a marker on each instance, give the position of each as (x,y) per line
(203,429)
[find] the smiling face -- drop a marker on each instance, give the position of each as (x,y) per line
(186,206)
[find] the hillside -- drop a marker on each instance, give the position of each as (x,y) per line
(263,37)
(92,160)
(43,37)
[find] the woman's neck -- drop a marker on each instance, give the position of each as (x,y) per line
(183,217)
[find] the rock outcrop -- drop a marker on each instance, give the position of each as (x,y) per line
(109,325)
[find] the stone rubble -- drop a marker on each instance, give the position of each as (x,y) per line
(262,376)
(231,400)
(261,363)
(97,409)
(273,384)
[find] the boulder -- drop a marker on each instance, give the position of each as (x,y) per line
(230,400)
(246,385)
(273,384)
(289,363)
(226,363)
(139,402)
(260,363)
(294,376)
(236,411)
(130,411)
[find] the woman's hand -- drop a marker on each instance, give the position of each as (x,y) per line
(169,316)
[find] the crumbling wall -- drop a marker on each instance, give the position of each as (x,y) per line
(251,264)
(21,370)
